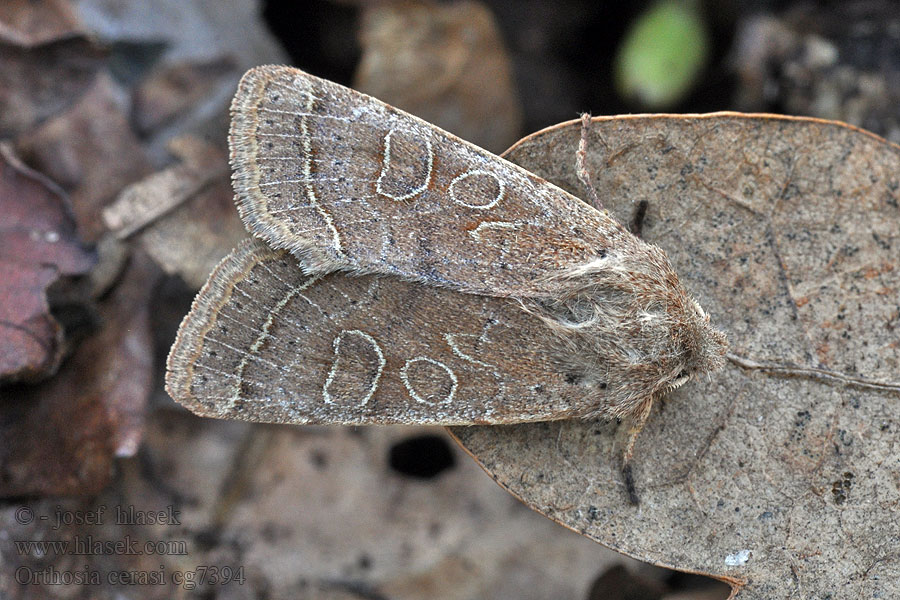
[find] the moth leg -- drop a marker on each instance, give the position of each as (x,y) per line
(630,488)
(581,162)
(638,421)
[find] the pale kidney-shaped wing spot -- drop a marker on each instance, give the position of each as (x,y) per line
(452,341)
(487,227)
(429,381)
(356,370)
(405,165)
(477,189)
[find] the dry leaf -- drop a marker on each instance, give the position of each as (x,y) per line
(445,63)
(60,437)
(38,244)
(184,216)
(322,505)
(36,83)
(833,64)
(190,29)
(90,151)
(176,89)
(29,23)
(46,62)
(787,231)
(145,201)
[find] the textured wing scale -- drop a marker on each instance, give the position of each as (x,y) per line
(345,181)
(266,342)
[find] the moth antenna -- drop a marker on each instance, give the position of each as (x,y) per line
(581,169)
(629,447)
(788,370)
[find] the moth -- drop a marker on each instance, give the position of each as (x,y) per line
(402,275)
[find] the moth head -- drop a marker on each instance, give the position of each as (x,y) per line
(686,342)
(704,346)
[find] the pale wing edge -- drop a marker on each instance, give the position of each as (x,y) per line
(245,177)
(189,341)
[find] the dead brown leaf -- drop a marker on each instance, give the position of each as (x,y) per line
(60,437)
(176,89)
(46,62)
(90,151)
(445,63)
(184,216)
(38,244)
(784,483)
(29,23)
(319,505)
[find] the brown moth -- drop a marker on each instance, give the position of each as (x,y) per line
(403,275)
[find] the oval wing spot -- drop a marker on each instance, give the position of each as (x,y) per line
(429,381)
(356,370)
(405,166)
(477,189)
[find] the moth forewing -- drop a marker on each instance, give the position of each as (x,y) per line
(345,181)
(265,342)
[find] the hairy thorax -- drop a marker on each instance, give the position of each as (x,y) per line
(628,331)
